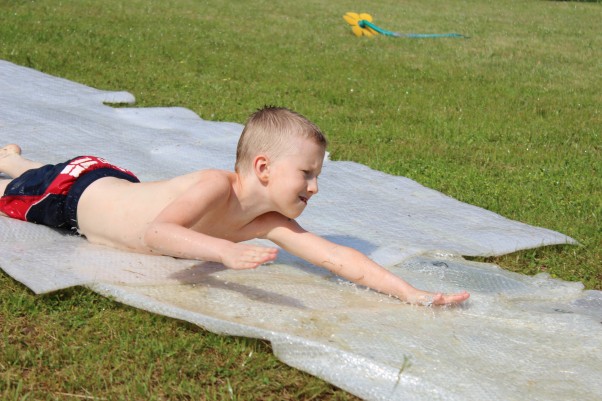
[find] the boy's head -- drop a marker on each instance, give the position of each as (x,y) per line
(270,131)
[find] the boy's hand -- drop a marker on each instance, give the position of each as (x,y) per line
(428,298)
(244,256)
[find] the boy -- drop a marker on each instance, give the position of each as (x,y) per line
(206,214)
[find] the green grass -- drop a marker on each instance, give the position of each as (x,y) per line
(509,120)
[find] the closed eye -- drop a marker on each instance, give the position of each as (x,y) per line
(310,173)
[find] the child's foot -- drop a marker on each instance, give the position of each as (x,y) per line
(5,153)
(9,150)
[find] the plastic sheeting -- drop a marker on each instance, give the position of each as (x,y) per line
(518,337)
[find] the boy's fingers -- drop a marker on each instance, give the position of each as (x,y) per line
(268,257)
(251,265)
(259,255)
(267,252)
(441,299)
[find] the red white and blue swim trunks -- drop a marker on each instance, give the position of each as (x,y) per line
(49,195)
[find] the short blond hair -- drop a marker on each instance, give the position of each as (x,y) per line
(269,131)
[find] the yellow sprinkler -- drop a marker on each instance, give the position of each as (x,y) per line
(354,19)
(362,25)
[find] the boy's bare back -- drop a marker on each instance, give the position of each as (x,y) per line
(118,213)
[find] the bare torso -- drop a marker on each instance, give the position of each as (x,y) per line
(117,213)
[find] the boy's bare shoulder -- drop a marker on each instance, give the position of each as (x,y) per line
(214,180)
(201,189)
(209,174)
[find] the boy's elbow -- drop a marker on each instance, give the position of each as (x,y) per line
(338,258)
(347,262)
(150,236)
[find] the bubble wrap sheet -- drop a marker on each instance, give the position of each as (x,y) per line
(517,338)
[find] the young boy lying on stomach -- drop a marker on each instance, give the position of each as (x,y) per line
(203,215)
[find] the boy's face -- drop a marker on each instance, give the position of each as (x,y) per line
(294,176)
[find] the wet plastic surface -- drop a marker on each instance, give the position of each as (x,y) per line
(517,337)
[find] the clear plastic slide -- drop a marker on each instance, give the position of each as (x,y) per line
(517,338)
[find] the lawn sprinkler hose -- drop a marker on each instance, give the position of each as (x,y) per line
(362,25)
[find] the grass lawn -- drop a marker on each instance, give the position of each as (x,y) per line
(509,120)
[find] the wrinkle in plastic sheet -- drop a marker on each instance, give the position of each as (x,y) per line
(518,337)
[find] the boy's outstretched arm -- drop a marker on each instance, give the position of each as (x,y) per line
(353,265)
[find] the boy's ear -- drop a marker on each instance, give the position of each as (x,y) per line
(261,167)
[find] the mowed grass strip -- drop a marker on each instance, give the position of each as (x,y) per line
(509,120)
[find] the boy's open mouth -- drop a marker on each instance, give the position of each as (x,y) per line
(303,199)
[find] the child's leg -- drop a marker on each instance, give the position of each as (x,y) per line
(13,164)
(3,184)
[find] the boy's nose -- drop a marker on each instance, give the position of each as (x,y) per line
(312,186)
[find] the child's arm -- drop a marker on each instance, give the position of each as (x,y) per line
(352,265)
(171,232)
(171,239)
